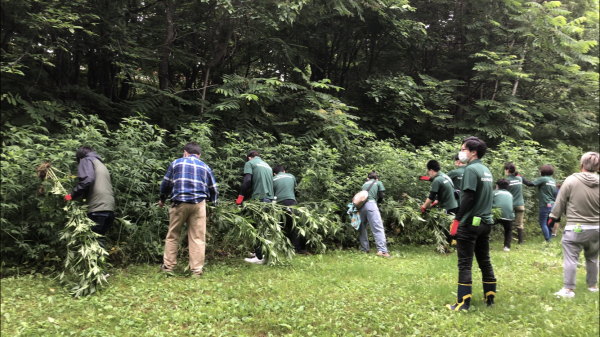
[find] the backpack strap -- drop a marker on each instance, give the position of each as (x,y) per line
(373,183)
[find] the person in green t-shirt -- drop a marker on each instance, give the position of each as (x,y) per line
(258,175)
(442,188)
(503,199)
(370,212)
(283,187)
(515,187)
(457,174)
(546,186)
(473,224)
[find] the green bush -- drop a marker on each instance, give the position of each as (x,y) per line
(137,155)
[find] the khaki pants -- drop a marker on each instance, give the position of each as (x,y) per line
(195,217)
(519,214)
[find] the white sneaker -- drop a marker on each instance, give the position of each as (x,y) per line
(252,254)
(254,260)
(506,249)
(564,293)
(593,289)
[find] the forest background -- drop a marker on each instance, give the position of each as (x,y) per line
(332,89)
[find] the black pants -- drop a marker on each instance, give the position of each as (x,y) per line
(474,240)
(507,224)
(291,232)
(104,222)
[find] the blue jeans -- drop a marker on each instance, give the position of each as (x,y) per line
(544,213)
(369,212)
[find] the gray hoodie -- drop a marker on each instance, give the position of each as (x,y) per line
(579,197)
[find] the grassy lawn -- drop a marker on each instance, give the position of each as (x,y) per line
(339,293)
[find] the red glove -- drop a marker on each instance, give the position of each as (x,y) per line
(426,178)
(435,203)
(68,197)
(423,209)
(454,227)
(239,200)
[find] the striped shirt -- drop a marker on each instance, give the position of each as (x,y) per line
(189,180)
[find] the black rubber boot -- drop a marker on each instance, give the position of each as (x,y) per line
(520,233)
(463,302)
(489,291)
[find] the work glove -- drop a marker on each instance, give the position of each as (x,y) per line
(435,203)
(239,200)
(454,227)
(426,178)
(551,223)
(68,197)
(423,209)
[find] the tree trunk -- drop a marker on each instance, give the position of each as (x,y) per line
(516,85)
(163,68)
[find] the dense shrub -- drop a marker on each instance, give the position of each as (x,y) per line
(138,154)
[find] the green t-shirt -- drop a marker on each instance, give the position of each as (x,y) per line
(457,176)
(516,189)
(478,178)
(546,190)
(443,186)
(283,186)
(378,186)
(503,199)
(262,178)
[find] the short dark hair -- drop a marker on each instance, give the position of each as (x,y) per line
(476,144)
(372,175)
(510,167)
(278,168)
(433,165)
(456,157)
(82,152)
(503,183)
(252,154)
(192,148)
(546,170)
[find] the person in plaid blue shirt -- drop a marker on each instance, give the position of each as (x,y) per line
(189,182)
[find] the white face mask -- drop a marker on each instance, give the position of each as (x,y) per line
(462,156)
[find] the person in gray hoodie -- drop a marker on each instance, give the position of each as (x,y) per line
(95,186)
(579,198)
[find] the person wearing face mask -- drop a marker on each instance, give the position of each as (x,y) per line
(473,224)
(546,196)
(516,189)
(457,174)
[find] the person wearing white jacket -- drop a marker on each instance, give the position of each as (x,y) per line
(579,198)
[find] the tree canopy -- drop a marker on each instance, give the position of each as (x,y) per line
(333,69)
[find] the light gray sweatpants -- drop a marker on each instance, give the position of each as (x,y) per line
(573,243)
(370,212)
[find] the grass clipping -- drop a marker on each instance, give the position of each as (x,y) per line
(85,260)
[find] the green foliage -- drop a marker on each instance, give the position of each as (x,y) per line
(138,153)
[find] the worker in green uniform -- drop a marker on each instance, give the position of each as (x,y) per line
(515,187)
(503,199)
(442,187)
(473,224)
(283,187)
(457,174)
(258,176)
(546,196)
